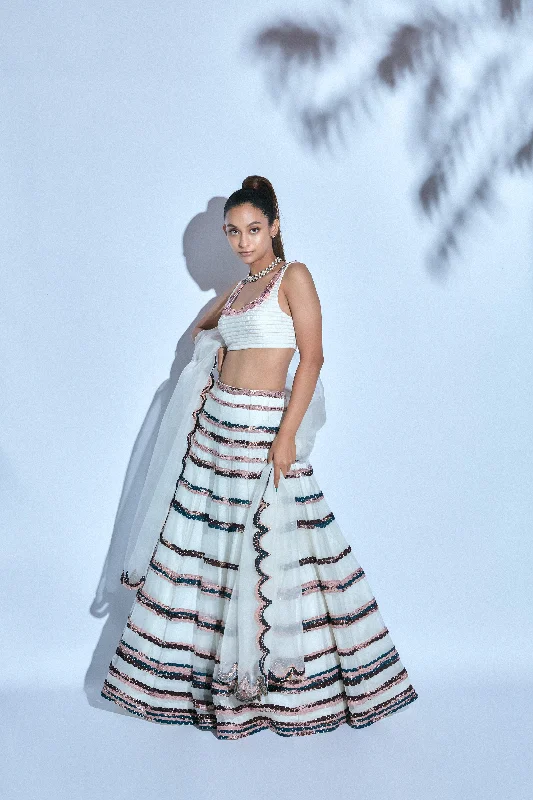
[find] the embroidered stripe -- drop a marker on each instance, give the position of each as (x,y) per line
(310,498)
(197,554)
(230,457)
(321,680)
(340,585)
(207,721)
(198,581)
(341,621)
(226,473)
(198,516)
(316,523)
(225,440)
(184,614)
(244,406)
(237,426)
(326,559)
(215,498)
(225,387)
(186,647)
(226,565)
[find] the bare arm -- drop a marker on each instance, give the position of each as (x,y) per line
(306,313)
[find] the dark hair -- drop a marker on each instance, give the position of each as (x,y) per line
(260,193)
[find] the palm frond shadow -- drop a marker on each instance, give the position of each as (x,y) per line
(472,117)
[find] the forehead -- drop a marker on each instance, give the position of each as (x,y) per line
(244,215)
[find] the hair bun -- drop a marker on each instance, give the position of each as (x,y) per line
(258,184)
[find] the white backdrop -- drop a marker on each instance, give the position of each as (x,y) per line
(125,127)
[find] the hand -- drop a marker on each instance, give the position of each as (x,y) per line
(221,352)
(283,452)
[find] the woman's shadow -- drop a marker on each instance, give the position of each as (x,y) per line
(212,265)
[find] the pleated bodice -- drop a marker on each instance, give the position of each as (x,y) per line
(259,323)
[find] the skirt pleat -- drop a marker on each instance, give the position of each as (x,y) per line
(163,666)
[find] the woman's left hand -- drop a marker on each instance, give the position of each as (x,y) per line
(283,452)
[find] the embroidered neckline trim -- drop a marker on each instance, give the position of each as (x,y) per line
(227,311)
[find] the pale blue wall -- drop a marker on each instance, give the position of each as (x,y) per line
(121,122)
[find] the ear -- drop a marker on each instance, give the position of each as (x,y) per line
(274,230)
(224,227)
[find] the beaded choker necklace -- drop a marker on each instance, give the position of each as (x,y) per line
(264,271)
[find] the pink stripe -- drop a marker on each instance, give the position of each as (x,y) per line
(229,442)
(218,454)
(336,622)
(142,594)
(151,662)
(355,701)
(204,584)
(183,646)
(258,722)
(250,392)
(349,651)
(235,473)
(283,711)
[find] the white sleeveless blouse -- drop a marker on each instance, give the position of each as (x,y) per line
(259,323)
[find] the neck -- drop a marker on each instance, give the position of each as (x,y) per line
(262,263)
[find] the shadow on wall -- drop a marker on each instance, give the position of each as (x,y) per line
(212,265)
(471,108)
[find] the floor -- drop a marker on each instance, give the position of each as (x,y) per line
(462,740)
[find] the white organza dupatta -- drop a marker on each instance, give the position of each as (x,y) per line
(263,631)
(169,450)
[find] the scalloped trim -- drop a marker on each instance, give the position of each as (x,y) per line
(264,601)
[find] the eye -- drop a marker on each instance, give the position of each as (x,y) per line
(254,229)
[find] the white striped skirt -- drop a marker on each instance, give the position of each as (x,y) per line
(164,667)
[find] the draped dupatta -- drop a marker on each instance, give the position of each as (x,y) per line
(263,632)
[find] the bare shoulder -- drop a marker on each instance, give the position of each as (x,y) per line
(298,280)
(298,273)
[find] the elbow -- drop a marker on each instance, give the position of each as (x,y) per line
(312,361)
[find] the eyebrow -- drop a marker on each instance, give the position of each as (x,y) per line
(250,223)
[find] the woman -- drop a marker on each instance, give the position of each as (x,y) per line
(251,611)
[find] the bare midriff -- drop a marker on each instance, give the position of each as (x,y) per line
(257,367)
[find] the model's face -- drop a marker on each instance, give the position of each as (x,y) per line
(249,233)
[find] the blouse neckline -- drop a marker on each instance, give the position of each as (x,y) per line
(228,311)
